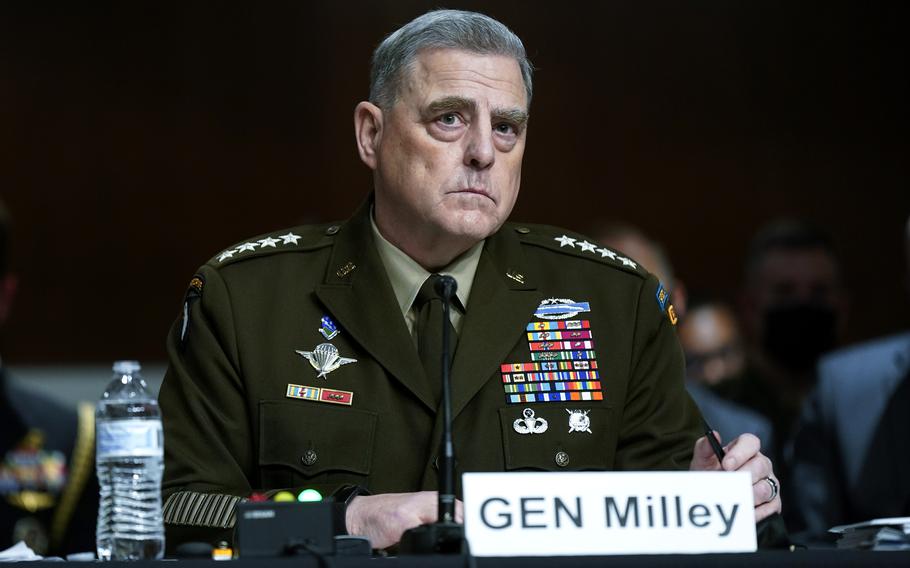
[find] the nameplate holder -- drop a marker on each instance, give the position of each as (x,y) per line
(603,513)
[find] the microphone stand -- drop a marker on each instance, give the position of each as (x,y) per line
(445,536)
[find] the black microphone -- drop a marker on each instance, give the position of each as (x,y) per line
(445,536)
(445,288)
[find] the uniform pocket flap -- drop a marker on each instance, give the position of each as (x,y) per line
(315,438)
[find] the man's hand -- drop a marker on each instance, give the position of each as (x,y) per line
(743,454)
(384,518)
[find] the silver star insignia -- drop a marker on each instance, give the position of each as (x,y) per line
(226,254)
(605,252)
(627,262)
(246,246)
(586,246)
(289,238)
(267,242)
(564,240)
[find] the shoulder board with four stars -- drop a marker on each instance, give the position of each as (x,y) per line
(298,239)
(567,242)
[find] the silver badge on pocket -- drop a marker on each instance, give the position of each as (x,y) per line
(579,421)
(530,424)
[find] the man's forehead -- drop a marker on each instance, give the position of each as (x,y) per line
(446,73)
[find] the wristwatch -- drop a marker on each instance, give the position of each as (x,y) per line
(342,497)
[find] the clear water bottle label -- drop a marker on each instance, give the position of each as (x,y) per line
(129,438)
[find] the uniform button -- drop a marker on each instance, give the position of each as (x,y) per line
(310,457)
(332,230)
(522,230)
(562,459)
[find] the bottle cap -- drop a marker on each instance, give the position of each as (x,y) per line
(126,367)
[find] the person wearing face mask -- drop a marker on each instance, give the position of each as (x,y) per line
(793,310)
(851,451)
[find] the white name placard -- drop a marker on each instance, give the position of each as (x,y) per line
(596,513)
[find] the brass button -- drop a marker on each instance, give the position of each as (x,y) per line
(310,457)
(522,230)
(332,230)
(562,459)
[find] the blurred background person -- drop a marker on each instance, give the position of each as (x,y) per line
(793,309)
(727,418)
(651,254)
(48,489)
(711,338)
(852,449)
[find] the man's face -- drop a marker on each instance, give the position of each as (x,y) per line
(794,277)
(448,163)
(797,276)
(710,339)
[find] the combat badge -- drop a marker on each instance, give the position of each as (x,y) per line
(560,309)
(324,358)
(327,328)
(530,424)
(579,421)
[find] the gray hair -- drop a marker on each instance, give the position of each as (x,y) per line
(441,29)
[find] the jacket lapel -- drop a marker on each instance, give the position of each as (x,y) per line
(499,310)
(357,292)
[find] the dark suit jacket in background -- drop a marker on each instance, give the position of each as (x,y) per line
(731,419)
(852,450)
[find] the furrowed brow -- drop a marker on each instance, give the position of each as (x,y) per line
(449,104)
(514,116)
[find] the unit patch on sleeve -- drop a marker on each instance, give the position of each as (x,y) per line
(662,296)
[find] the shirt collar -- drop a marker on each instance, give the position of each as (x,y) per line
(407,276)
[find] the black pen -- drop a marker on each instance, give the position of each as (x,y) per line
(715,445)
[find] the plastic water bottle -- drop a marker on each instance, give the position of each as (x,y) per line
(129,460)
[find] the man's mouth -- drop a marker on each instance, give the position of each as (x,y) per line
(476,191)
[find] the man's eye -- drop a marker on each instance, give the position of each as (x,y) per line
(449,119)
(505,128)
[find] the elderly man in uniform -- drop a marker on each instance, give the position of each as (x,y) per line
(306,358)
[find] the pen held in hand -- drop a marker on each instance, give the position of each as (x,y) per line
(712,439)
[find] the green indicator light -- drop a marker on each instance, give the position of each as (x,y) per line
(309,496)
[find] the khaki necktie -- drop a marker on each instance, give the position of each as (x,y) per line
(428,333)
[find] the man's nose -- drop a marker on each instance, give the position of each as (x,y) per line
(479,151)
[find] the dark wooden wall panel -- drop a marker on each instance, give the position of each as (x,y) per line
(137,139)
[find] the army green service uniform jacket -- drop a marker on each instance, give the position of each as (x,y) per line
(235,423)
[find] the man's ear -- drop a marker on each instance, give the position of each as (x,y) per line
(368,132)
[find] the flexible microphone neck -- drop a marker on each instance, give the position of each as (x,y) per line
(445,288)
